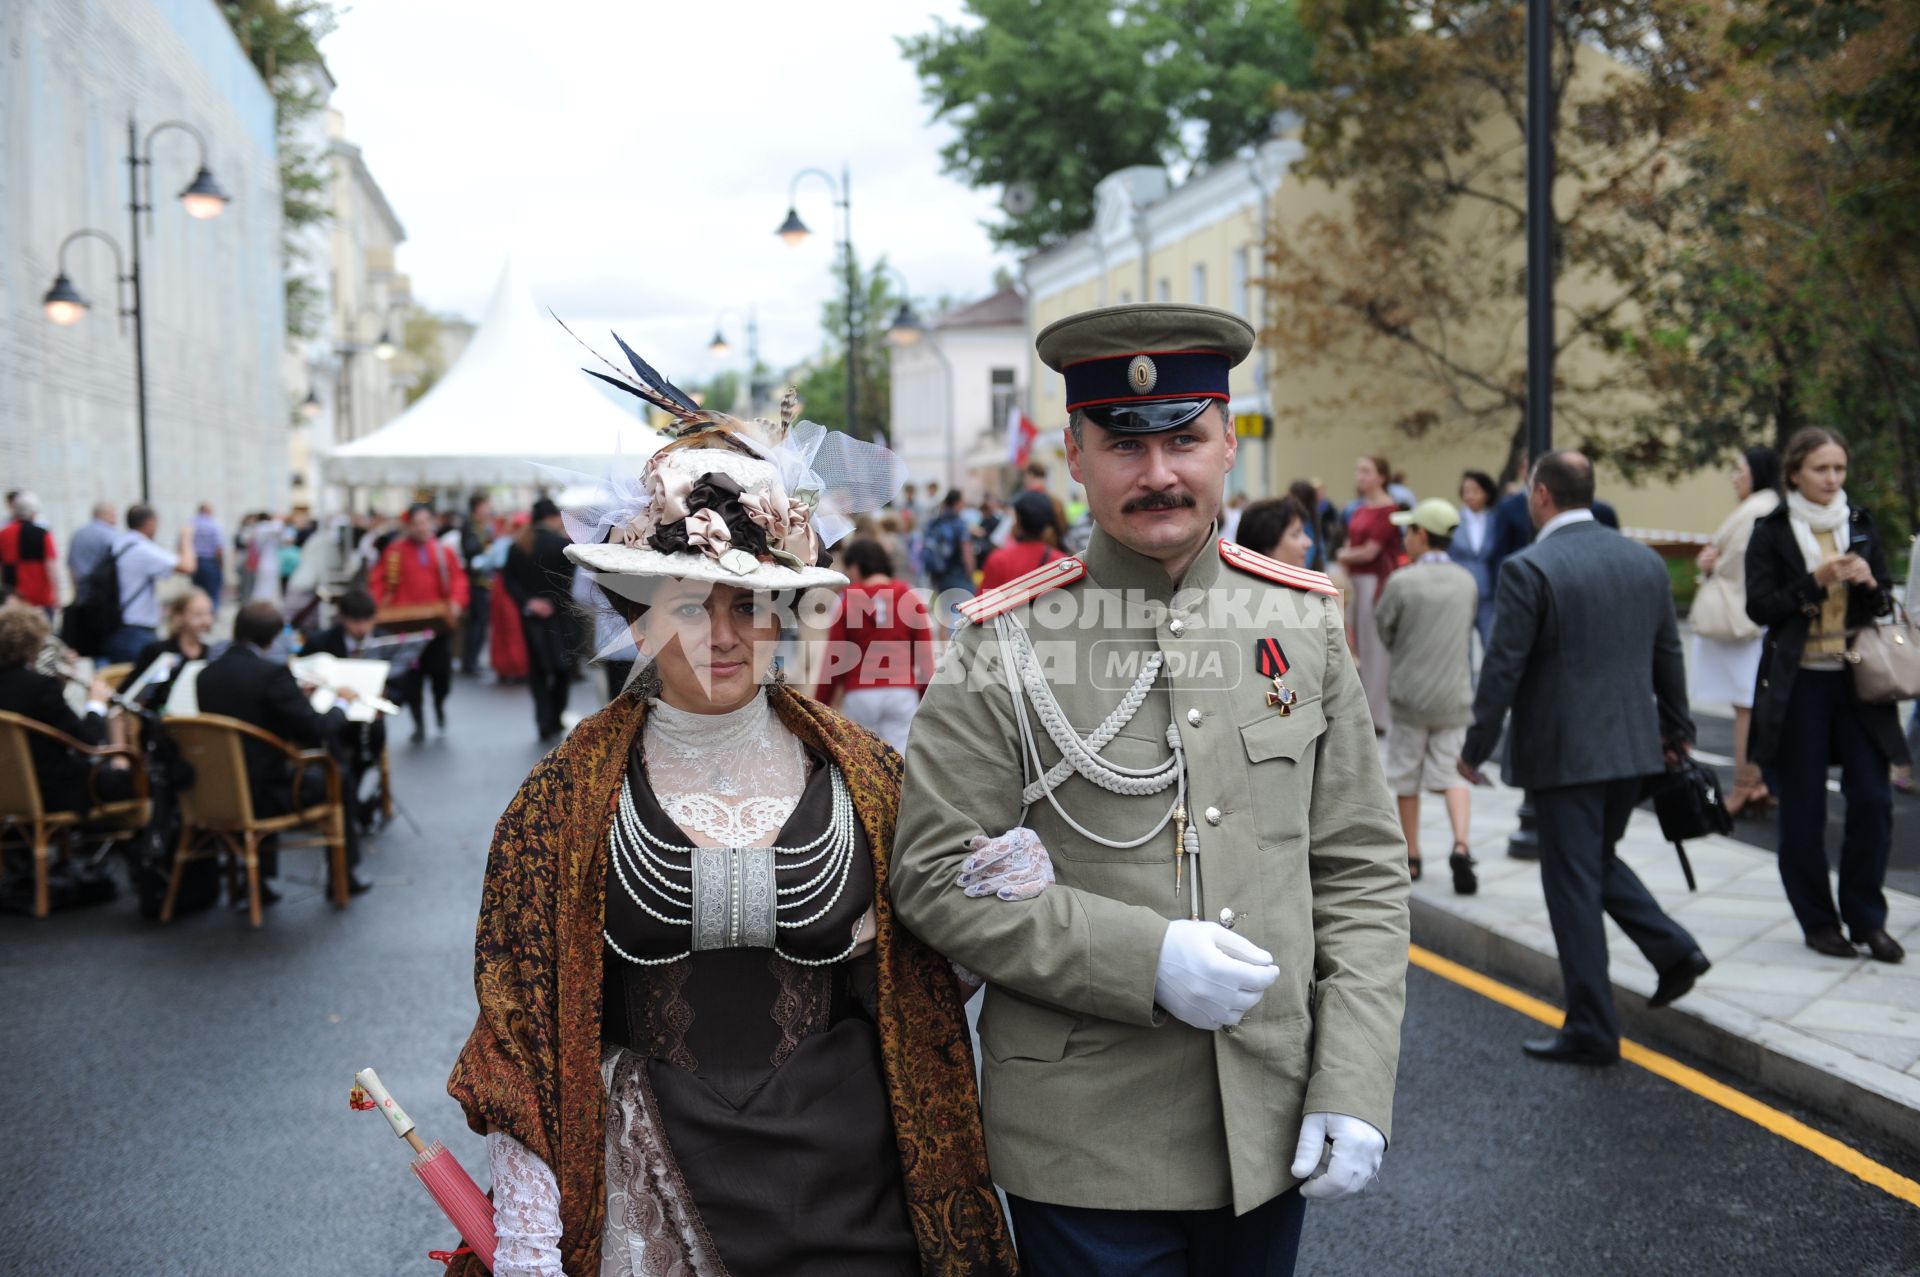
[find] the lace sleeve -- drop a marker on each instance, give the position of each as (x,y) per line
(526,1210)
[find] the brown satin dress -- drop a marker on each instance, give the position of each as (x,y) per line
(767,1072)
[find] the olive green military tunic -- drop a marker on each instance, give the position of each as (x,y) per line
(1093,1096)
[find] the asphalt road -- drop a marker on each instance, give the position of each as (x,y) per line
(177,1099)
(1903,868)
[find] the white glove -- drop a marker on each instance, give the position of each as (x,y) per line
(1346,1167)
(1014,866)
(1208,976)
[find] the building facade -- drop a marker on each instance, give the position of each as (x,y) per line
(1202,241)
(953,387)
(72,75)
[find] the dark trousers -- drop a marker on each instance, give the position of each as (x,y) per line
(436,668)
(1076,1241)
(549,669)
(1822,725)
(274,800)
(1585,884)
(473,625)
(208,576)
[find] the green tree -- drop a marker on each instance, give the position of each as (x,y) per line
(1421,287)
(1789,298)
(1053,97)
(420,339)
(823,389)
(280,37)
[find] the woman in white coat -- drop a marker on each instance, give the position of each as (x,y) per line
(1726,645)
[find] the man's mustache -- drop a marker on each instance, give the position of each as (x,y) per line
(1160,501)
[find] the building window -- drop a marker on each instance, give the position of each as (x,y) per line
(1163,290)
(1004,397)
(1242,284)
(1200,284)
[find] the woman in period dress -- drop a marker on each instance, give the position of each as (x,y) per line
(1372,552)
(703,1045)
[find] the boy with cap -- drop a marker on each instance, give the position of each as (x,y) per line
(1192,1014)
(1425,617)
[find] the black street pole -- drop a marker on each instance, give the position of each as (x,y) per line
(853,288)
(1524,844)
(139,323)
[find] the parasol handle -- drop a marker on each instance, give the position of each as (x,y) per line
(396,1116)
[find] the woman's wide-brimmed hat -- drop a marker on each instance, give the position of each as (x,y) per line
(728,500)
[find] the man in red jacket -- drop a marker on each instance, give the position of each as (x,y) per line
(880,650)
(416,569)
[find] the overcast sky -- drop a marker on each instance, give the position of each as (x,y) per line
(634,157)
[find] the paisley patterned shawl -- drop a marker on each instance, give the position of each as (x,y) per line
(531,1067)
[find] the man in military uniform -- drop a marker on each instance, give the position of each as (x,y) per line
(1202,1008)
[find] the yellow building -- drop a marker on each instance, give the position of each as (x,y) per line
(1202,241)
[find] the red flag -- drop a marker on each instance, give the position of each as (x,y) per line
(1020,433)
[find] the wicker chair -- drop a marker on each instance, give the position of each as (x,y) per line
(217,816)
(24,819)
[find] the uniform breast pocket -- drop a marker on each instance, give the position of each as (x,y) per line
(1280,769)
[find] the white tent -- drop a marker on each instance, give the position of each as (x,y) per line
(515,400)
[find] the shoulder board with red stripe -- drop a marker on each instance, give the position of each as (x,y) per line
(1004,598)
(1239,556)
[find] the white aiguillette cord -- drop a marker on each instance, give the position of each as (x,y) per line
(1082,754)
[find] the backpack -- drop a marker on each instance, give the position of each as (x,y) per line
(940,547)
(94,615)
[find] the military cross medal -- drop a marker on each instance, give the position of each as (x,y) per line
(1272,663)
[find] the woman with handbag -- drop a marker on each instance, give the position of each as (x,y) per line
(1816,573)
(1726,645)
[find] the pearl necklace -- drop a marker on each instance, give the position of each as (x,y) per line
(641,860)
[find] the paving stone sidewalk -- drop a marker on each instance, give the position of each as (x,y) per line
(1842,1037)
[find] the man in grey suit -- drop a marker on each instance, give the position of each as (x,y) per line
(1586,653)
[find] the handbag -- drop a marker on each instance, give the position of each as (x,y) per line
(1886,661)
(1686,798)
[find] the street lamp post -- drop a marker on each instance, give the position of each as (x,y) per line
(793,230)
(1524,844)
(720,348)
(202,198)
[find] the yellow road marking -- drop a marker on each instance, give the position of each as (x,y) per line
(1823,1146)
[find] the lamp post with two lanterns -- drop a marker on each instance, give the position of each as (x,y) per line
(793,231)
(203,200)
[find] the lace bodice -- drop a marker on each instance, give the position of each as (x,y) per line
(728,780)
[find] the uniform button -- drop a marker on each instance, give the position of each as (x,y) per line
(1213,815)
(1176,627)
(1193,717)
(1227,1029)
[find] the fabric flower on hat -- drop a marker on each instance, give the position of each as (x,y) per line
(668,490)
(787,521)
(707,531)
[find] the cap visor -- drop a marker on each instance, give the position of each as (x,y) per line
(1146,418)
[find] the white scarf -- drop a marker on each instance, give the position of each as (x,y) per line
(1807,518)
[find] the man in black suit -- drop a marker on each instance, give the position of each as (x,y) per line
(362,743)
(1586,652)
(246,684)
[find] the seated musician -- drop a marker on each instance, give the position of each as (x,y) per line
(189,621)
(347,638)
(43,697)
(246,684)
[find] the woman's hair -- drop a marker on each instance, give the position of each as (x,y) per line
(1764,465)
(177,608)
(1301,490)
(1806,441)
(23,632)
(1380,467)
(1264,523)
(1483,481)
(626,607)
(868,557)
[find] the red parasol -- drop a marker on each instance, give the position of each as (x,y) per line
(443,1175)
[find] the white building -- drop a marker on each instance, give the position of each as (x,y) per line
(953,388)
(72,76)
